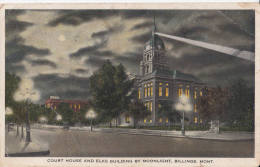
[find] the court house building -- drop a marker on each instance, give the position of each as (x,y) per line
(157,83)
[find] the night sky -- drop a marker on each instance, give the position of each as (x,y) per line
(56,51)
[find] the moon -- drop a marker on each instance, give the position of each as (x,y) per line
(61,38)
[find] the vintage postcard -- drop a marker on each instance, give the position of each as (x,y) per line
(130,85)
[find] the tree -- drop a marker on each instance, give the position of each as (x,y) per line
(138,111)
(79,116)
(241,105)
(110,89)
(166,111)
(66,112)
(11,85)
(213,105)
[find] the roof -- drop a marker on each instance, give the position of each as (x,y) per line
(174,74)
(179,75)
(66,101)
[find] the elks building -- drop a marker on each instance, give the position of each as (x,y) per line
(157,83)
(54,101)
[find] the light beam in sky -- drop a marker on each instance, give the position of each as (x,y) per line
(222,49)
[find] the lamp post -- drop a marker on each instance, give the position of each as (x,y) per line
(184,106)
(27,94)
(91,114)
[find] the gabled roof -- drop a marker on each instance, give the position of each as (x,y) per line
(173,74)
(179,75)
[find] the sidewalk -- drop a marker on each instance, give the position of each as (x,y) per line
(17,147)
(225,136)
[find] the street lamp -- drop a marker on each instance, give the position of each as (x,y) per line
(184,106)
(43,119)
(91,114)
(58,117)
(28,129)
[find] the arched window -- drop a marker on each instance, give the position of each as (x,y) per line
(195,120)
(179,92)
(160,89)
(151,89)
(167,90)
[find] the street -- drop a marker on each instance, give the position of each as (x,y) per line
(72,143)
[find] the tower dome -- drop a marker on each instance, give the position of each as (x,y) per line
(157,42)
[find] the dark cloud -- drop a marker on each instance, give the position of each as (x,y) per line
(43,63)
(82,71)
(77,17)
(14,68)
(143,25)
(16,51)
(89,49)
(95,61)
(142,38)
(189,31)
(16,26)
(70,87)
(110,31)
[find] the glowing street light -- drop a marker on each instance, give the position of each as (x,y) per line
(28,95)
(43,119)
(184,106)
(58,117)
(91,114)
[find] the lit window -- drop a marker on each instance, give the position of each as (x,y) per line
(151,90)
(127,119)
(195,94)
(167,84)
(151,121)
(160,90)
(200,93)
(75,106)
(159,105)
(160,120)
(195,120)
(195,107)
(144,120)
(151,106)
(48,105)
(148,91)
(145,92)
(200,120)
(147,105)
(166,91)
(139,94)
(180,92)
(187,92)
(166,120)
(54,107)
(79,106)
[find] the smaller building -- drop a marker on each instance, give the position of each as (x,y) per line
(54,101)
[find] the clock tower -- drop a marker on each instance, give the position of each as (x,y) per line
(153,55)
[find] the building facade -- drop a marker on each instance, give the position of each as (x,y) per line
(54,101)
(157,84)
